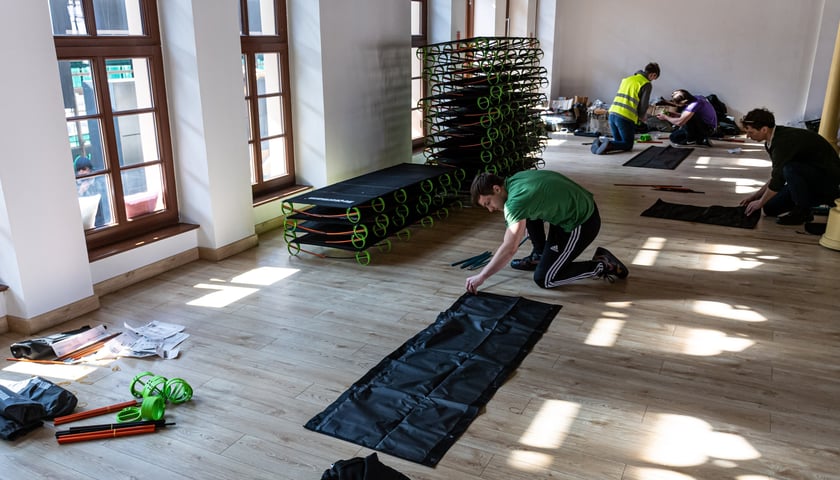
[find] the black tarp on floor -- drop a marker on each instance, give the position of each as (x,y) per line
(713,215)
(418,400)
(665,158)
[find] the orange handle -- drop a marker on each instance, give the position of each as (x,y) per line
(117,432)
(93,413)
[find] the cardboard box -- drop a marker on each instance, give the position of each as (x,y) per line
(653,110)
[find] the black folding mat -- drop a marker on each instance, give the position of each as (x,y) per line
(714,215)
(419,400)
(666,158)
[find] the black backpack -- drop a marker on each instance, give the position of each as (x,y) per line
(720,107)
(358,468)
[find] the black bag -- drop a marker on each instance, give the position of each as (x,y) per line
(56,400)
(720,107)
(24,404)
(19,408)
(38,348)
(358,468)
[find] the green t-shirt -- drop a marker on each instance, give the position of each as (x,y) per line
(549,196)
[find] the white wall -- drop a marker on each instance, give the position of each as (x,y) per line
(367,86)
(307,90)
(823,53)
(208,117)
(751,53)
(43,258)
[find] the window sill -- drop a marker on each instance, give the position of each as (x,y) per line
(280,194)
(139,241)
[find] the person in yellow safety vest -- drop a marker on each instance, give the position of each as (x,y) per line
(628,108)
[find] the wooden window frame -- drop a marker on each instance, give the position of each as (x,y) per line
(278,44)
(98,49)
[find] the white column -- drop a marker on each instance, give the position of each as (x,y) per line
(44,257)
(209,118)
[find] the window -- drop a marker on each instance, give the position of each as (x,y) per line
(418,39)
(111,70)
(265,73)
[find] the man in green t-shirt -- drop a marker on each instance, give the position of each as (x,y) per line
(529,200)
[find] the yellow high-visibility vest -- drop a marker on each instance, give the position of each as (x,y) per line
(626,101)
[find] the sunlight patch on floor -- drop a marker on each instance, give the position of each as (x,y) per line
(683,441)
(649,252)
(222,296)
(551,424)
(605,332)
(705,343)
(711,257)
(64,372)
(264,276)
(649,473)
(741,313)
(547,431)
(530,461)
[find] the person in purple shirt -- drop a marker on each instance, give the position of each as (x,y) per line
(697,121)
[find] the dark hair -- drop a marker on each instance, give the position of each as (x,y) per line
(759,117)
(652,67)
(483,184)
(683,96)
(82,162)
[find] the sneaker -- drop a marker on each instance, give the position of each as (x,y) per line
(602,147)
(595,144)
(815,228)
(612,265)
(681,145)
(704,143)
(528,263)
(795,217)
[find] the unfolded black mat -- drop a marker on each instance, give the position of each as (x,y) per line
(667,158)
(714,215)
(418,400)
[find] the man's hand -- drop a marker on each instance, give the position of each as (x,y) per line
(474,282)
(751,206)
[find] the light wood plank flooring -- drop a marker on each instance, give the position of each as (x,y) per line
(718,358)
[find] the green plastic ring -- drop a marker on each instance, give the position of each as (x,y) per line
(154,387)
(128,414)
(177,390)
(139,379)
(152,408)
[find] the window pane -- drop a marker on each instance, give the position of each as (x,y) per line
(251,155)
(94,198)
(245,74)
(250,125)
(262,17)
(271,117)
(85,138)
(416,64)
(273,158)
(417,124)
(416,18)
(136,138)
(118,17)
(67,17)
(77,88)
(268,73)
(142,187)
(129,83)
(416,91)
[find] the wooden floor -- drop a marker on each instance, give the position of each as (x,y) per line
(718,358)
